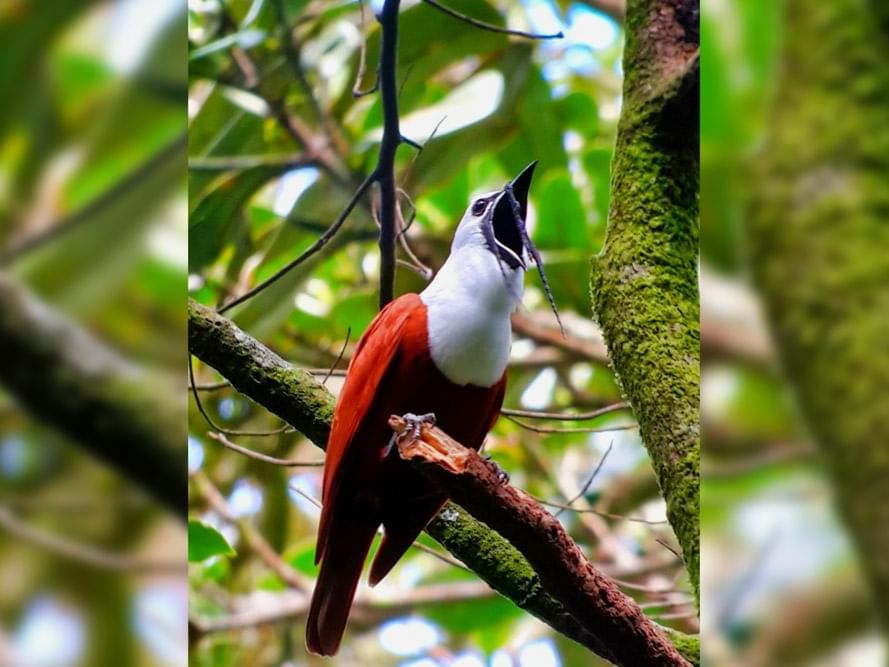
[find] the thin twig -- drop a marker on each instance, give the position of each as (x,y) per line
(265,458)
(311,250)
(252,537)
(607,515)
(339,357)
(421,269)
(91,210)
(362,61)
(209,420)
(86,554)
(580,494)
(416,156)
(552,429)
(565,416)
(488,26)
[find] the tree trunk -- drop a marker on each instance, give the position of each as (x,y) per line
(819,251)
(645,281)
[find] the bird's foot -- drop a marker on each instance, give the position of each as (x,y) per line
(415,422)
(502,475)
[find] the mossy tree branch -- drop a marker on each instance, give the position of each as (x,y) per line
(121,413)
(818,240)
(626,636)
(645,281)
(299,399)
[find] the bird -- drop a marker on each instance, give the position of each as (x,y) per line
(441,352)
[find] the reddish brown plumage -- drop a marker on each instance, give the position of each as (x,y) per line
(392,372)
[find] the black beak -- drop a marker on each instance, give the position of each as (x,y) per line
(521,184)
(507,229)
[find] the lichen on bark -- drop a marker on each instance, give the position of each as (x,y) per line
(818,249)
(645,281)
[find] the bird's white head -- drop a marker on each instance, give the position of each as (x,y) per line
(495,221)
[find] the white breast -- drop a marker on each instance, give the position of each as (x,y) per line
(468,307)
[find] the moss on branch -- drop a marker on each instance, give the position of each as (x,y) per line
(645,281)
(299,399)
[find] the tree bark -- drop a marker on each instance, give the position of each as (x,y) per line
(645,281)
(819,251)
(626,636)
(299,399)
(121,413)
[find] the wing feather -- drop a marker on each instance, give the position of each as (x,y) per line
(374,358)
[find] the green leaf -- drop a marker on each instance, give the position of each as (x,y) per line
(212,222)
(205,541)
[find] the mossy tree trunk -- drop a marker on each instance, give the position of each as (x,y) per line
(818,225)
(645,281)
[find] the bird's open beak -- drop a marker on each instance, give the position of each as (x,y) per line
(506,228)
(521,184)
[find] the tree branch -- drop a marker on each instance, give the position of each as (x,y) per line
(299,399)
(126,416)
(385,169)
(87,554)
(645,281)
(481,25)
(625,635)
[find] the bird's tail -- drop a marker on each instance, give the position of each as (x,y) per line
(346,548)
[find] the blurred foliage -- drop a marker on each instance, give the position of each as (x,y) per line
(499,103)
(782,585)
(92,219)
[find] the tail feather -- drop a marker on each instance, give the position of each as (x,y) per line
(401,531)
(343,558)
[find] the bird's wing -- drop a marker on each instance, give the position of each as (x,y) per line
(373,358)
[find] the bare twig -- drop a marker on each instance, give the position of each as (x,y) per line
(252,537)
(209,420)
(625,636)
(339,357)
(308,252)
(265,458)
(554,429)
(86,554)
(580,494)
(585,349)
(357,92)
(488,26)
(565,416)
(607,515)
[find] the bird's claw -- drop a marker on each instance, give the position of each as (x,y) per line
(415,422)
(502,475)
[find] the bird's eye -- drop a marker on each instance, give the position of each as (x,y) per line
(479,206)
